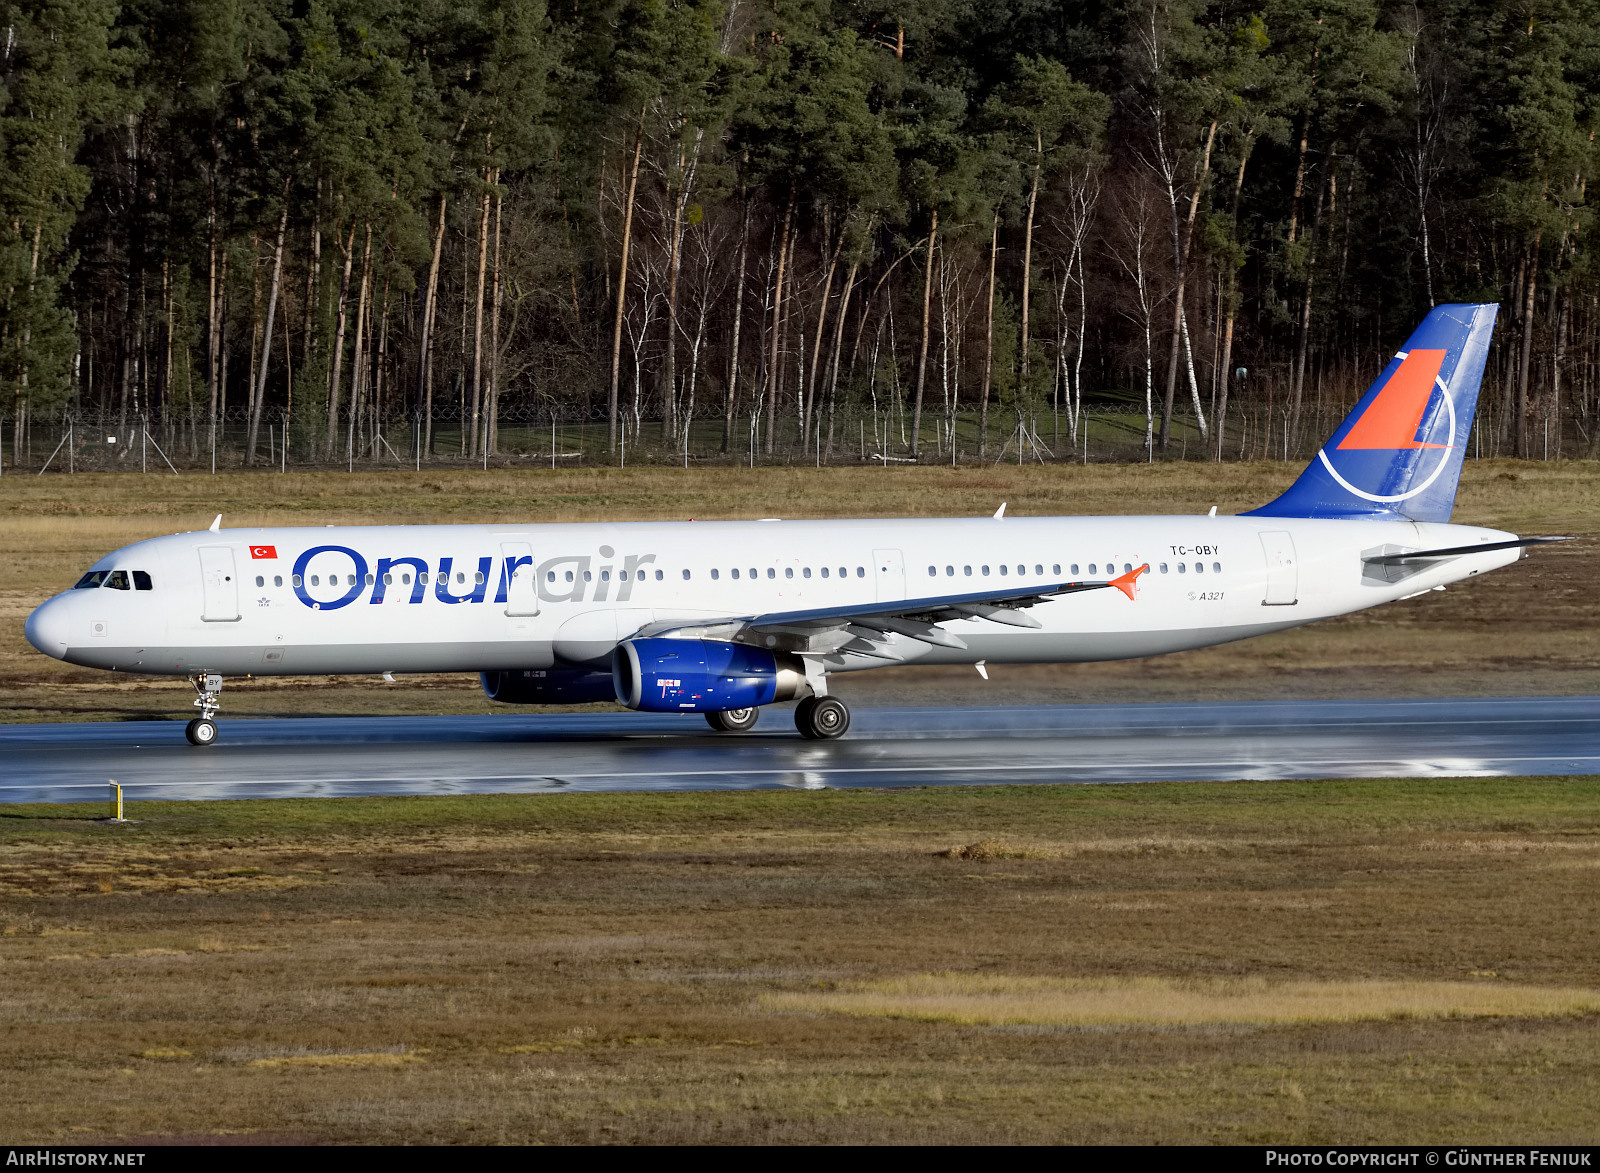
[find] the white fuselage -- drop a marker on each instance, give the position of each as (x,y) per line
(375,599)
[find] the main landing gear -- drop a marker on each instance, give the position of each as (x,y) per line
(821,718)
(734,720)
(202,731)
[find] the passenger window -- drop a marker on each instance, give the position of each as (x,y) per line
(1199,567)
(405,580)
(371,580)
(967,570)
(1127,568)
(824,572)
(550,576)
(260,581)
(949,571)
(753,573)
(788,572)
(844,572)
(734,572)
(1092,568)
(1163,568)
(714,574)
(1022,570)
(806,573)
(296,580)
(316,580)
(1055,569)
(277,580)
(685,576)
(985,570)
(422,577)
(771,573)
(461,577)
(1004,569)
(1216,568)
(388,580)
(477,576)
(91,580)
(660,575)
(1075,569)
(861,572)
(932,571)
(1182,569)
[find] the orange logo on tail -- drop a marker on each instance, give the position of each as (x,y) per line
(1392,419)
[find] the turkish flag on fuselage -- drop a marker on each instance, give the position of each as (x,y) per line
(263,551)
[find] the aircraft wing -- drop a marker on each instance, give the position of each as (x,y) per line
(866,628)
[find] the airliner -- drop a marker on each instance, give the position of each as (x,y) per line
(723,618)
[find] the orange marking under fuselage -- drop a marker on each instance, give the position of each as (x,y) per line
(1128,583)
(1392,419)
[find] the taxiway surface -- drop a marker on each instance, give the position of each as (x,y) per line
(530,752)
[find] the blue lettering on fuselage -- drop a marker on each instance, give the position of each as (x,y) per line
(357,585)
(565,578)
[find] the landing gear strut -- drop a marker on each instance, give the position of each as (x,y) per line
(821,718)
(202,731)
(734,720)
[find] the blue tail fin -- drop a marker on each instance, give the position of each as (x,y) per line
(1399,453)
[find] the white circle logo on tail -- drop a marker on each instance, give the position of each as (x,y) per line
(1391,421)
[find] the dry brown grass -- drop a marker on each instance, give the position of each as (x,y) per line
(1004,1000)
(1532,629)
(622,968)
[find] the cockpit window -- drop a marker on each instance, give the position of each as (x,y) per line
(141,580)
(117,580)
(91,580)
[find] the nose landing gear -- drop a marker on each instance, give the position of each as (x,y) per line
(202,731)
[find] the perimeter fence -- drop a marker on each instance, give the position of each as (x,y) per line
(531,437)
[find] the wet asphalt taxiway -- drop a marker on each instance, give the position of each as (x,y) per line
(536,753)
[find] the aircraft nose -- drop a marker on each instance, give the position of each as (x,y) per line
(47,628)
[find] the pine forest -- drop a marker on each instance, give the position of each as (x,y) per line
(341,232)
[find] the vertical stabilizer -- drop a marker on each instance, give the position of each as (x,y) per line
(1399,453)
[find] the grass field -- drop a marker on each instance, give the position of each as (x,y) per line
(1533,628)
(1402,962)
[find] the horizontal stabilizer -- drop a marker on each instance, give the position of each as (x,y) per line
(1456,551)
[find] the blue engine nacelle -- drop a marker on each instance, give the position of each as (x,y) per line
(531,686)
(703,675)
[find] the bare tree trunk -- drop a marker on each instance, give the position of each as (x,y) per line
(1230,302)
(777,320)
(334,376)
(1027,265)
(838,346)
(213,319)
(1182,238)
(430,309)
(1520,409)
(680,207)
(492,438)
(988,341)
(357,353)
(622,286)
(379,378)
(738,321)
(922,355)
(477,314)
(816,345)
(1303,341)
(260,396)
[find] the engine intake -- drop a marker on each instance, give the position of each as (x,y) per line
(703,675)
(529,686)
